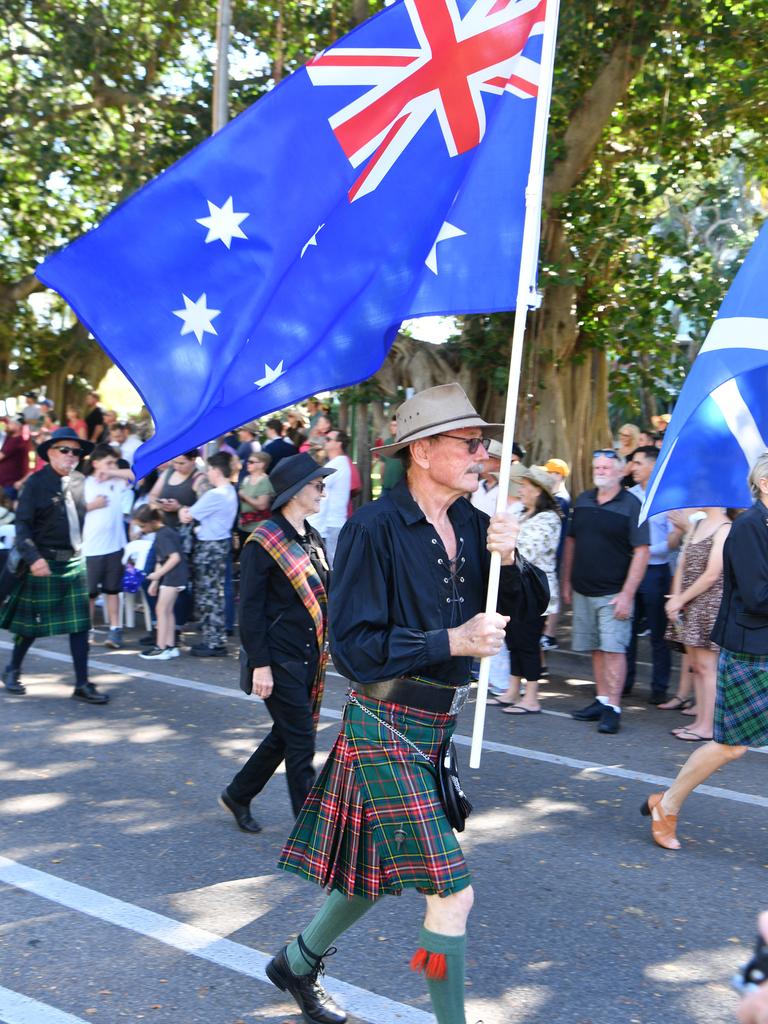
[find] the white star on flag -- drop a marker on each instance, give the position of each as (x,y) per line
(223,223)
(197,317)
(312,241)
(270,375)
(446,231)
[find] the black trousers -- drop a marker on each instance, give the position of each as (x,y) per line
(291,739)
(522,639)
(649,604)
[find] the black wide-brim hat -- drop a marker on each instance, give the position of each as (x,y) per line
(293,473)
(64,434)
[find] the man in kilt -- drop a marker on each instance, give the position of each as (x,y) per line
(51,597)
(406,621)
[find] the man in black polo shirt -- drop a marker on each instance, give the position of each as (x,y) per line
(605,557)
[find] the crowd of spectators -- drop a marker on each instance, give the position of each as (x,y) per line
(178,533)
(181,530)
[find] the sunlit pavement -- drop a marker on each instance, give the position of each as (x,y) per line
(119,872)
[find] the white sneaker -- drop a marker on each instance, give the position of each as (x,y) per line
(172,652)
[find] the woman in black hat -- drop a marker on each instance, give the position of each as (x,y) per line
(283,585)
(52,596)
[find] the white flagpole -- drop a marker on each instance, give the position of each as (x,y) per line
(526,297)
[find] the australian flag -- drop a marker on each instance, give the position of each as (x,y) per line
(383,180)
(720,423)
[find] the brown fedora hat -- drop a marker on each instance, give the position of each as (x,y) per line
(437,410)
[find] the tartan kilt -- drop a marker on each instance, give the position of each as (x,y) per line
(741,706)
(49,605)
(373,822)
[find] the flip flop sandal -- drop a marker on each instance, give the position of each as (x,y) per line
(692,737)
(518,709)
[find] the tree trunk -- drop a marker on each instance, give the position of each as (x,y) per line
(363,459)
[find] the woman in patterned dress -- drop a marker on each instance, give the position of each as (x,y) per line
(540,527)
(697,589)
(741,630)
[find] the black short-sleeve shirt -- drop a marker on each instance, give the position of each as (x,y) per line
(605,539)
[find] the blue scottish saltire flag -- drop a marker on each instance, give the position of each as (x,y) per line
(383,180)
(720,422)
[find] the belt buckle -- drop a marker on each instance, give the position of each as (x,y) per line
(460,698)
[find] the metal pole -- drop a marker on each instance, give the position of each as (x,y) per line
(526,296)
(221,71)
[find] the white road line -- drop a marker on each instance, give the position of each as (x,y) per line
(188,939)
(615,771)
(18,1009)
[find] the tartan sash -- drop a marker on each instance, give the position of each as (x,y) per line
(291,558)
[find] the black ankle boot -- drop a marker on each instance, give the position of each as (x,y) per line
(11,681)
(315,1003)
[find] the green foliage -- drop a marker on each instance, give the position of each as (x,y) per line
(96,98)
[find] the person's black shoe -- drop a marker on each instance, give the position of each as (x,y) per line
(208,651)
(590,713)
(241,812)
(150,640)
(90,694)
(11,681)
(658,697)
(317,1005)
(610,720)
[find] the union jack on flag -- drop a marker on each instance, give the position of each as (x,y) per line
(457,59)
(385,180)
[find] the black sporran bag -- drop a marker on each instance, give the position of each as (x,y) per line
(455,802)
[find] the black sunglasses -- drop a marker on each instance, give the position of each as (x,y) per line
(609,453)
(472,443)
(66,450)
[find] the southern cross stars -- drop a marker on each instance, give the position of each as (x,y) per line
(223,223)
(270,375)
(197,317)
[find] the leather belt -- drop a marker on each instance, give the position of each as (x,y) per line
(58,554)
(417,693)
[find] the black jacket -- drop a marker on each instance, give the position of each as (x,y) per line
(275,627)
(742,622)
(41,515)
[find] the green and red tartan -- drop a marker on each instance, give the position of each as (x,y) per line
(741,707)
(373,822)
(49,605)
(297,566)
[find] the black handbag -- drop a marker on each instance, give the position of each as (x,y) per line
(533,597)
(455,801)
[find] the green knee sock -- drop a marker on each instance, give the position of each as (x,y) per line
(338,913)
(441,958)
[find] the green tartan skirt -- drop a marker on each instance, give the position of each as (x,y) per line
(49,605)
(741,706)
(373,822)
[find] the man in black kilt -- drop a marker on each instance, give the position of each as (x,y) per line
(406,621)
(52,596)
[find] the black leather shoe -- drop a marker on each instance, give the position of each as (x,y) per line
(610,721)
(207,651)
(11,682)
(591,713)
(90,694)
(315,1003)
(241,812)
(658,697)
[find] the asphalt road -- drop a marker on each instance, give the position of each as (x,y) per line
(126,893)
